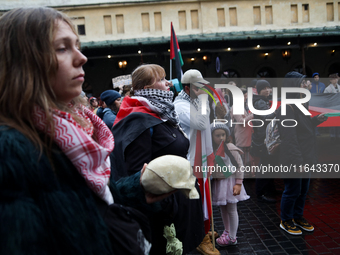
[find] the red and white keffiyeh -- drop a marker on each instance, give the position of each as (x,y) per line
(90,158)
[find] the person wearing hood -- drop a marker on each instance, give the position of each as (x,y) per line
(265,187)
(297,148)
(111,104)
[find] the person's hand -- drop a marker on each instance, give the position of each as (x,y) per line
(321,117)
(152,198)
(198,91)
(237,189)
(309,85)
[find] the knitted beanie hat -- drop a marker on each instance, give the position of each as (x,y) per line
(295,79)
(262,84)
(219,125)
(109,96)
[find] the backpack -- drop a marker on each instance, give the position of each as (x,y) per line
(272,140)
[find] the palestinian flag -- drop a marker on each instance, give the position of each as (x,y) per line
(132,105)
(175,53)
(326,103)
(219,155)
(204,157)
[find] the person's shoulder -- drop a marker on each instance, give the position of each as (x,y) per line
(11,136)
(179,100)
(328,88)
(16,148)
(181,105)
(233,147)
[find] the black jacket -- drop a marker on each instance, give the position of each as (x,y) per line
(46,206)
(261,103)
(298,144)
(140,138)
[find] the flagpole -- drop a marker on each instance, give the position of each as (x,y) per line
(212,217)
(170,69)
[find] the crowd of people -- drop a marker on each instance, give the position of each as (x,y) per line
(71,166)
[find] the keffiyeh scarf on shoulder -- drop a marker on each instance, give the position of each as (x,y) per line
(159,101)
(90,157)
(185,96)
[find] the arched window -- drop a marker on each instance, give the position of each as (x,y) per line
(334,68)
(230,73)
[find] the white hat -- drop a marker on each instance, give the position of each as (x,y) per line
(194,77)
(167,173)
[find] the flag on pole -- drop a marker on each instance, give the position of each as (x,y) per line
(204,157)
(175,53)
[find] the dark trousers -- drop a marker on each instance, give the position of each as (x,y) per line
(293,198)
(265,186)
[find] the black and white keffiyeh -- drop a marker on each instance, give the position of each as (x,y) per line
(159,101)
(185,96)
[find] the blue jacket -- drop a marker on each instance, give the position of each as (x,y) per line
(317,87)
(107,115)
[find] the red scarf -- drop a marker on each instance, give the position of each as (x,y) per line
(90,158)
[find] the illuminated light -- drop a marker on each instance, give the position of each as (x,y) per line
(266,54)
(229,49)
(199,49)
(168,50)
(192,59)
(333,51)
(139,52)
(258,46)
(286,54)
(288,43)
(122,64)
(109,56)
(315,44)
(205,58)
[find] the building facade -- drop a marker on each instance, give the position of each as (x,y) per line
(220,38)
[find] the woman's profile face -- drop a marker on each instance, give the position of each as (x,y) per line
(118,102)
(70,74)
(162,84)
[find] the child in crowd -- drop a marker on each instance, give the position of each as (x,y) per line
(226,192)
